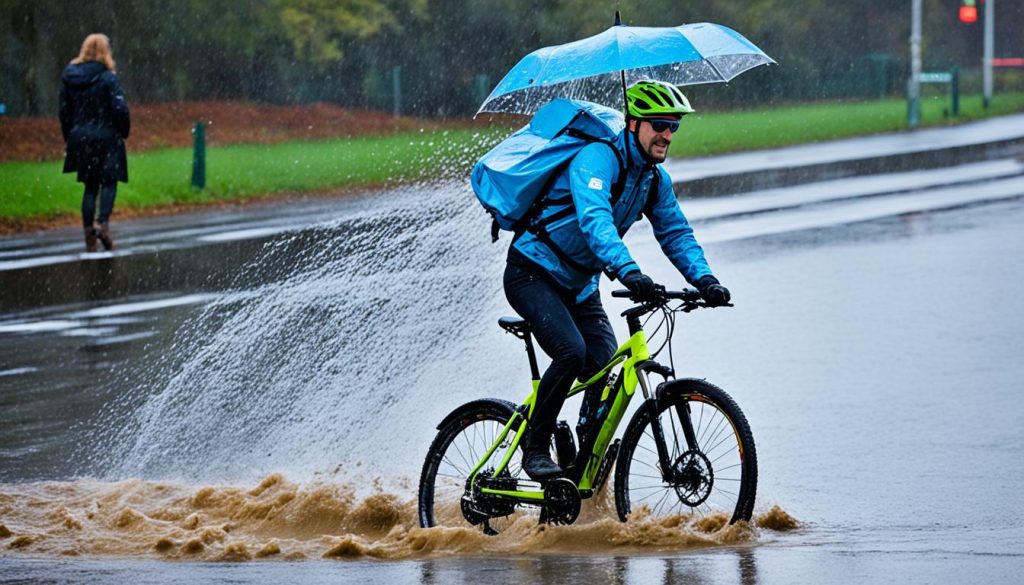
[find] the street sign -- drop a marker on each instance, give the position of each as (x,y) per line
(938,77)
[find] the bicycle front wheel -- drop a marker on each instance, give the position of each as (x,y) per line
(462,440)
(711,465)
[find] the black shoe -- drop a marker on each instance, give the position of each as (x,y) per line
(103,233)
(538,465)
(90,239)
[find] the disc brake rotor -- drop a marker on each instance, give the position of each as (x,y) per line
(694,477)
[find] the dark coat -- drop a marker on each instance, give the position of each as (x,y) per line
(95,121)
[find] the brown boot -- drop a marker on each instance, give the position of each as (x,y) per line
(90,239)
(104,236)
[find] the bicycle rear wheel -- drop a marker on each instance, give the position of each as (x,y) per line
(712,473)
(461,442)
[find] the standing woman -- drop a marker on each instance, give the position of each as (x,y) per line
(95,121)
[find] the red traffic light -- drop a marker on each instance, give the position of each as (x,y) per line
(968,14)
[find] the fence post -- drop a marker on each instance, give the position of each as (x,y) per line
(954,90)
(199,156)
(914,82)
(481,88)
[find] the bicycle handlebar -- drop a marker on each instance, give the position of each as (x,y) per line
(687,294)
(691,300)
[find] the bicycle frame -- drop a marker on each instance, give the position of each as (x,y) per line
(633,355)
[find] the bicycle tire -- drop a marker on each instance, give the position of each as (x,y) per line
(731,485)
(462,440)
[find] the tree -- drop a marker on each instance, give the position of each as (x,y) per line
(318,28)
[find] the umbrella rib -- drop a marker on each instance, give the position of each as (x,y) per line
(712,65)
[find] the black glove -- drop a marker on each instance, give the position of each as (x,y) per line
(713,292)
(640,286)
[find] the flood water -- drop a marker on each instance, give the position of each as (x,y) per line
(269,397)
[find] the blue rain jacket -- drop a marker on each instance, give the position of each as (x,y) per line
(592,237)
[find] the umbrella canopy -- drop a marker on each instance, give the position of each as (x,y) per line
(595,68)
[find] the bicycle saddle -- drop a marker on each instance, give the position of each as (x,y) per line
(514,325)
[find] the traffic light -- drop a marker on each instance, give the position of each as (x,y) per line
(968,11)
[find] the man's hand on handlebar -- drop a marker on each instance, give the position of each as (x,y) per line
(641,288)
(715,295)
(710,293)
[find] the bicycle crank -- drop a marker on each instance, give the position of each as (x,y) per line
(561,502)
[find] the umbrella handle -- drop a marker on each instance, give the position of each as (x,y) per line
(625,101)
(625,110)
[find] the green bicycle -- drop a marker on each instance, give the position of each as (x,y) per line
(688,450)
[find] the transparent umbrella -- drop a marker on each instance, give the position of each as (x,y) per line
(599,68)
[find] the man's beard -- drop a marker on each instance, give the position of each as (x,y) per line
(650,150)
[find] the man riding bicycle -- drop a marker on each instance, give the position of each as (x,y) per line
(553,267)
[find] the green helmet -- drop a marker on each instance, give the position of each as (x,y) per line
(651,99)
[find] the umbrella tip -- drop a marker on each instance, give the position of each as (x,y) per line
(618,19)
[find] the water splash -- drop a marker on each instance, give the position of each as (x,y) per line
(279,519)
(367,332)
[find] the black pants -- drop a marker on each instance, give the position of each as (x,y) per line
(106,193)
(576,336)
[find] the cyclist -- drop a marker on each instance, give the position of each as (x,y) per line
(553,267)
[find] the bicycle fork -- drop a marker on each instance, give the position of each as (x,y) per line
(668,471)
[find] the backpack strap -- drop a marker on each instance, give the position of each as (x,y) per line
(527,222)
(538,204)
(540,229)
(542,201)
(495,228)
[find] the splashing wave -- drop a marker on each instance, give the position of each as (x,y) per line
(280,519)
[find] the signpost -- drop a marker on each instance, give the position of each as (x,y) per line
(914,83)
(990,26)
(952,77)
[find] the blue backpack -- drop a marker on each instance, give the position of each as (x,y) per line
(512,179)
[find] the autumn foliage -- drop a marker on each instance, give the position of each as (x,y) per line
(170,125)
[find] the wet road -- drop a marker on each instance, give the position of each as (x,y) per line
(874,348)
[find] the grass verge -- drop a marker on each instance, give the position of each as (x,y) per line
(235,172)
(34,192)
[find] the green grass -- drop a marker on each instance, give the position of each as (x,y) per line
(40,190)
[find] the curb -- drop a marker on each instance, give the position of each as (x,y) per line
(992,138)
(773,178)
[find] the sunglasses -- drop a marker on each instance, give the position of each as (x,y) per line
(660,126)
